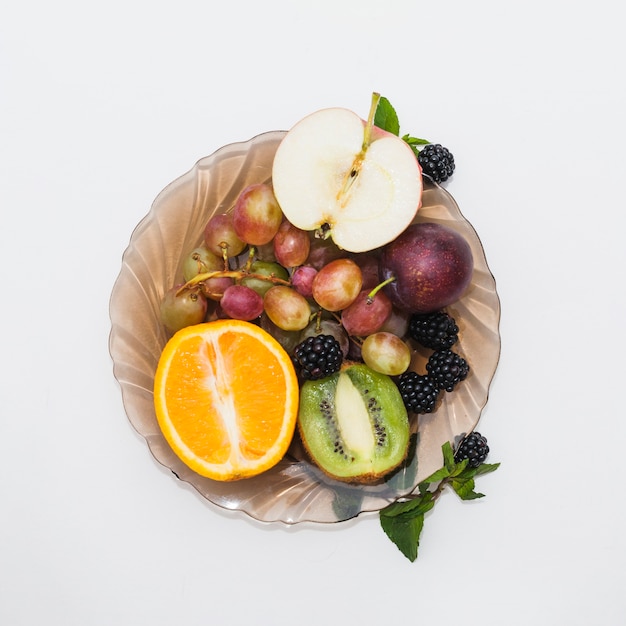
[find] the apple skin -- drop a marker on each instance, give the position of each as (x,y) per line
(432,265)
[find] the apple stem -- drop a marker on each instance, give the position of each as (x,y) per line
(323,232)
(367,135)
(372,294)
(367,140)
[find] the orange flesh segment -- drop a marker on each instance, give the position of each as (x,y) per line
(226,399)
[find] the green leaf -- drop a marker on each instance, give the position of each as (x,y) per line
(486,468)
(386,117)
(448,465)
(440,474)
(448,456)
(403,521)
(460,469)
(405,533)
(423,487)
(408,508)
(414,142)
(464,488)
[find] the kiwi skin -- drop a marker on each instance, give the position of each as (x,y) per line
(353,424)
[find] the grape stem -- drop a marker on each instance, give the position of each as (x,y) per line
(224,247)
(236,274)
(372,294)
(250,260)
(317,316)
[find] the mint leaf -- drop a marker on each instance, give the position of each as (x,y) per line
(403,521)
(449,465)
(405,533)
(412,507)
(464,488)
(386,117)
(463,481)
(448,456)
(461,468)
(486,468)
(414,142)
(435,477)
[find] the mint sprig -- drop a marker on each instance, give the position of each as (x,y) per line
(386,118)
(403,521)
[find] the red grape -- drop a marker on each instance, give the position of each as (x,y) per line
(323,251)
(365,316)
(220,235)
(302,280)
(241,303)
(368,263)
(287,308)
(291,245)
(337,284)
(256,214)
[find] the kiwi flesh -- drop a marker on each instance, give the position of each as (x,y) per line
(354,424)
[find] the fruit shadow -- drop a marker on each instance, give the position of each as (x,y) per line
(297,496)
(349,500)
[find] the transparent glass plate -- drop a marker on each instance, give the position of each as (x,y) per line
(294,490)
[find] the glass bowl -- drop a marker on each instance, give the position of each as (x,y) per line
(294,490)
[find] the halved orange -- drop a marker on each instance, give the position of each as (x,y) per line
(226,398)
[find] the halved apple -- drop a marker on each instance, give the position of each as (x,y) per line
(354,182)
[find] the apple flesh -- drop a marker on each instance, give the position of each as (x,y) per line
(337,174)
(431,266)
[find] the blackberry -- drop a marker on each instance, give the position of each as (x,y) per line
(447,368)
(474,448)
(419,393)
(436,161)
(318,356)
(434,330)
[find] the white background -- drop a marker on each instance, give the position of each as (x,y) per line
(102,105)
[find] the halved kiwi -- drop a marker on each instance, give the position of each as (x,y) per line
(354,424)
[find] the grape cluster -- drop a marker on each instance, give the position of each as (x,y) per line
(254,265)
